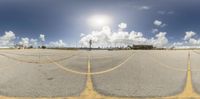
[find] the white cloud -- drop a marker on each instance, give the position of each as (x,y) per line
(137,38)
(122,25)
(157,23)
(194,41)
(178,43)
(102,36)
(188,41)
(163,25)
(7,40)
(144,8)
(58,43)
(160,40)
(24,41)
(105,37)
(189,35)
(42,37)
(155,30)
(34,42)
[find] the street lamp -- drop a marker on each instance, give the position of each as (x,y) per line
(90,44)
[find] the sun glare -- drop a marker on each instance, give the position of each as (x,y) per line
(99,20)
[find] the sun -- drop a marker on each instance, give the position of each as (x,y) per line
(99,20)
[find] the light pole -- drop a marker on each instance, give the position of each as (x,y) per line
(90,44)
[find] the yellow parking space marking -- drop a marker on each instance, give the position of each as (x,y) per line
(90,93)
(165,65)
(67,69)
(188,91)
(38,62)
(91,73)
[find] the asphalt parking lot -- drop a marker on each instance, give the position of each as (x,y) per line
(126,73)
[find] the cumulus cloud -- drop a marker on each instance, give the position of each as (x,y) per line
(163,25)
(160,40)
(159,23)
(106,38)
(122,25)
(42,37)
(24,41)
(189,35)
(155,30)
(189,41)
(194,41)
(34,42)
(102,36)
(58,43)
(177,44)
(27,42)
(7,40)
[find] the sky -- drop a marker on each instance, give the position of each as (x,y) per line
(162,23)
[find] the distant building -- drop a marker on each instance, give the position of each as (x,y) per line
(145,47)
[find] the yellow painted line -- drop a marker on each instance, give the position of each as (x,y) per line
(92,73)
(167,66)
(114,68)
(90,93)
(188,91)
(37,62)
(67,69)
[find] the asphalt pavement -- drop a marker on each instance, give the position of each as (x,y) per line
(124,73)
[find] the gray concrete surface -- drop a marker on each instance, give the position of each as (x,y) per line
(79,62)
(147,73)
(141,76)
(23,79)
(195,68)
(104,60)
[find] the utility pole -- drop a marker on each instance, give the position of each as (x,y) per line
(90,43)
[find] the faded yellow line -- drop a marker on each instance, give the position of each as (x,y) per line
(37,62)
(167,66)
(67,69)
(90,93)
(91,73)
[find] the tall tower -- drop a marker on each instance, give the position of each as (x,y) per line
(90,43)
